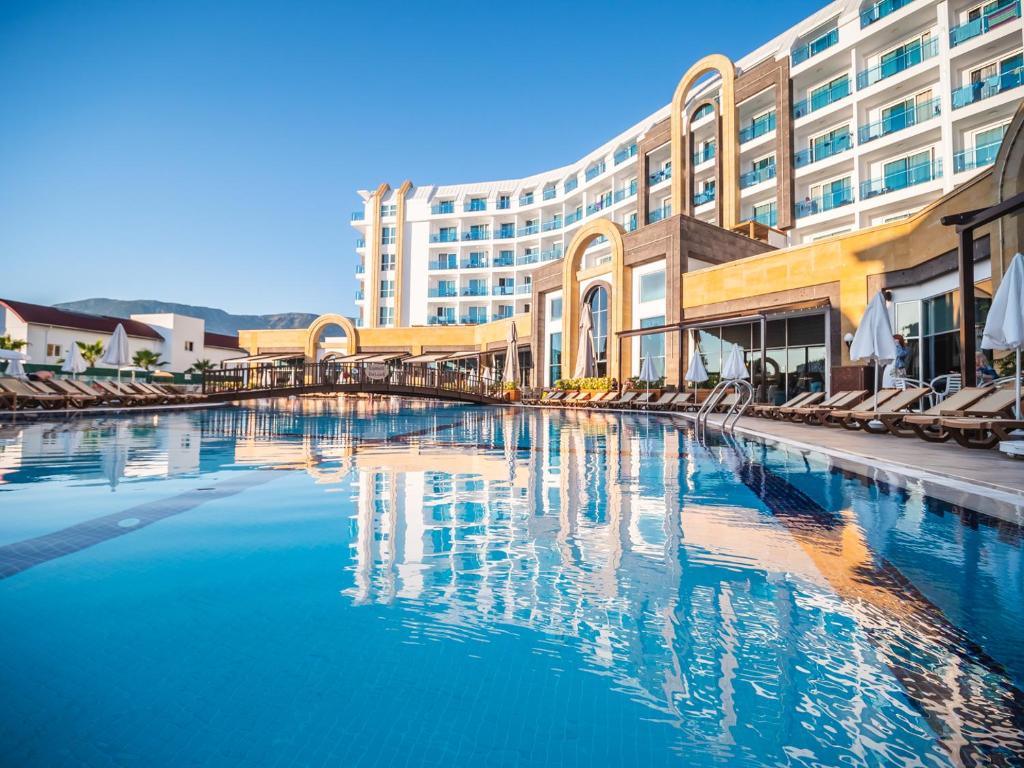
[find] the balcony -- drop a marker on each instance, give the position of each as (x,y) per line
(757,176)
(702,156)
(445,237)
(622,194)
(444,320)
(553,224)
(503,290)
(550,193)
(360,295)
(984,23)
(529,229)
(447,206)
(573,217)
(899,121)
(822,99)
(442,292)
(600,204)
(823,150)
(769,218)
(984,89)
(594,171)
(524,289)
(530,257)
(897,64)
(703,198)
(624,154)
(824,202)
(360,269)
(551,254)
(910,177)
(505,260)
(813,48)
(570,185)
(503,313)
(504,204)
(660,176)
(360,242)
(477,234)
(358,216)
(661,213)
(442,264)
(526,199)
(475,290)
(505,232)
(474,319)
(474,206)
(880,10)
(976,157)
(477,262)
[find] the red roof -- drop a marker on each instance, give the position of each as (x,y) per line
(220,340)
(62,318)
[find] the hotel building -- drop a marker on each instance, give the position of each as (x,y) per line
(793,183)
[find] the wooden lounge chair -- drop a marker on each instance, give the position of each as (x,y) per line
(834,417)
(681,402)
(163,396)
(975,432)
(621,402)
(602,397)
(641,401)
(995,405)
(121,396)
(815,414)
(173,389)
(922,424)
(770,410)
(582,399)
(74,395)
(901,403)
(663,401)
(727,402)
(22,393)
(552,398)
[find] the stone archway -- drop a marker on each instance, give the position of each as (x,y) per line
(315,328)
(728,195)
(622,305)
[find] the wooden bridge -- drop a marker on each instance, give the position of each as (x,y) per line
(268,380)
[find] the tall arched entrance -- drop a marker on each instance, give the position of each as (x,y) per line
(618,301)
(321,324)
(728,195)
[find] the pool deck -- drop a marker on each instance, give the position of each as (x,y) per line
(984,480)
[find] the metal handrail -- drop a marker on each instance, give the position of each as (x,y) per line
(709,404)
(737,409)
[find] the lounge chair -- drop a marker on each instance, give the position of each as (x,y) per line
(899,404)
(74,395)
(596,400)
(683,401)
(727,402)
(835,416)
(975,432)
(552,398)
(815,414)
(121,396)
(922,424)
(624,400)
(18,392)
(165,397)
(995,405)
(641,401)
(173,389)
(663,401)
(582,399)
(770,410)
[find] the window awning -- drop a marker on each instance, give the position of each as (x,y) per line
(354,358)
(426,357)
(264,358)
(463,355)
(384,357)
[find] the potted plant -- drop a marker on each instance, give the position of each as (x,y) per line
(511,391)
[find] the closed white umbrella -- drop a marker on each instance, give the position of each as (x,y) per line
(734,367)
(696,372)
(585,354)
(873,339)
(116,355)
(511,372)
(1004,328)
(14,358)
(74,363)
(647,372)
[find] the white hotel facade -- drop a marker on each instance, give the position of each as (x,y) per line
(859,115)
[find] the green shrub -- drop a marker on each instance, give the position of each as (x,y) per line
(592,383)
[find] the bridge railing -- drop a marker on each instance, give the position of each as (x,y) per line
(367,377)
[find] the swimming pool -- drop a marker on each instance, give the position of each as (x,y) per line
(335,583)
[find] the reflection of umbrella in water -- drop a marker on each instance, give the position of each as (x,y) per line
(511,372)
(114,460)
(510,442)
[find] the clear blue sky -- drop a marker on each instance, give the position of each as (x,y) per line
(209,152)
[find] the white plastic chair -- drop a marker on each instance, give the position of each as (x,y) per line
(945,385)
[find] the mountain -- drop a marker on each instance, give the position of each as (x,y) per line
(217,320)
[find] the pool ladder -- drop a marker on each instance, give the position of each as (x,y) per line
(713,400)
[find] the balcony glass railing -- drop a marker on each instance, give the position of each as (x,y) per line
(976,157)
(984,89)
(442,264)
(474,319)
(594,171)
(1004,13)
(526,199)
(624,154)
(474,206)
(702,156)
(524,288)
(599,205)
(531,257)
(823,150)
(444,237)
(444,320)
(548,226)
(824,202)
(570,185)
(769,218)
(446,207)
(759,127)
(475,290)
(658,214)
(622,194)
(504,204)
(705,197)
(880,10)
(909,177)
(360,243)
(358,216)
(549,193)
(551,254)
(507,260)
(900,120)
(503,290)
(442,292)
(822,99)
(813,48)
(757,176)
(660,176)
(504,233)
(529,229)
(360,295)
(474,263)
(912,56)
(503,313)
(477,234)
(360,269)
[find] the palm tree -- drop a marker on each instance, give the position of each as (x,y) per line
(147,359)
(90,352)
(6,342)
(202,366)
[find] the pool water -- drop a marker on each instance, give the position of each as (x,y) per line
(336,583)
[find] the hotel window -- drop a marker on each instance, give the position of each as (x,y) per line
(829,195)
(387,262)
(653,345)
(703,111)
(556,309)
(190,346)
(995,68)
(387,289)
(504,202)
(53,350)
(652,286)
(766,213)
(388,210)
(554,358)
(598,301)
(385,315)
(909,170)
(387,235)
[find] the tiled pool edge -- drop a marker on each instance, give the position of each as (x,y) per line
(108,410)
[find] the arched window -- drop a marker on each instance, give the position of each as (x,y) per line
(702,111)
(597,298)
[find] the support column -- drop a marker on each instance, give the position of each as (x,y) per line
(966,275)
